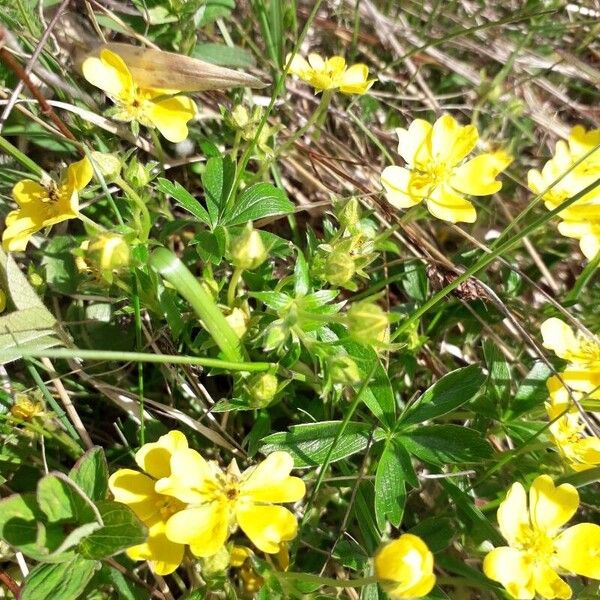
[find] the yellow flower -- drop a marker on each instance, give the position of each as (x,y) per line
(537,548)
(146,105)
(44,204)
(137,490)
(218,501)
(331,74)
(579,350)
(434,173)
(580,451)
(25,408)
(581,220)
(405,567)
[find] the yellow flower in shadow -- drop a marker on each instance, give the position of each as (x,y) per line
(150,107)
(405,567)
(44,204)
(435,171)
(538,547)
(219,501)
(331,74)
(136,490)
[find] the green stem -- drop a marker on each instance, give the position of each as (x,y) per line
(91,223)
(106,355)
(146,223)
(327,581)
(178,275)
(233,283)
(13,151)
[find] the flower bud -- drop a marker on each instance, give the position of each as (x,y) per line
(339,268)
(137,174)
(405,568)
(238,320)
(262,388)
(343,369)
(349,214)
(240,116)
(368,323)
(25,408)
(247,250)
(217,563)
(276,335)
(109,165)
(109,252)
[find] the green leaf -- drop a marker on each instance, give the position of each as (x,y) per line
(184,199)
(499,370)
(224,55)
(90,473)
(446,444)
(309,443)
(390,487)
(301,275)
(18,516)
(64,581)
(436,532)
(259,201)
(215,9)
(121,530)
(446,395)
(210,245)
(63,501)
(532,392)
(217,179)
(379,396)
(59,264)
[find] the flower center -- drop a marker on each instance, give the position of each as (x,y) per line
(588,353)
(167,506)
(536,544)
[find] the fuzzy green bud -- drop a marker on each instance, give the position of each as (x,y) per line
(349,214)
(368,323)
(247,250)
(339,268)
(343,369)
(137,174)
(107,164)
(262,388)
(217,563)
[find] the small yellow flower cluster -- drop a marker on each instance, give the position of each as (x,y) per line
(538,547)
(44,204)
(580,378)
(186,500)
(435,171)
(331,74)
(581,220)
(151,107)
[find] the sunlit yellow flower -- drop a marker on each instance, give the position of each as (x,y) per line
(581,220)
(44,204)
(151,107)
(435,172)
(218,501)
(580,451)
(405,567)
(26,408)
(331,74)
(152,508)
(538,549)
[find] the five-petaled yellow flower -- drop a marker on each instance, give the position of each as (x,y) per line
(137,490)
(150,107)
(435,172)
(538,549)
(331,74)
(580,220)
(405,567)
(44,204)
(219,500)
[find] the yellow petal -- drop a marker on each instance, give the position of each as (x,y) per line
(266,526)
(587,232)
(578,550)
(512,513)
(164,555)
(110,74)
(478,175)
(513,570)
(395,181)
(79,174)
(192,479)
(590,244)
(171,116)
(551,507)
(136,490)
(355,80)
(451,142)
(27,191)
(447,205)
(405,567)
(414,143)
(155,458)
(204,528)
(299,66)
(558,337)
(316,61)
(335,65)
(270,480)
(19,229)
(587,452)
(548,584)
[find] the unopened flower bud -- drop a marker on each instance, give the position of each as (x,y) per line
(109,252)
(137,174)
(339,268)
(238,320)
(240,116)
(109,165)
(247,250)
(343,369)
(25,408)
(349,214)
(276,335)
(262,388)
(368,323)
